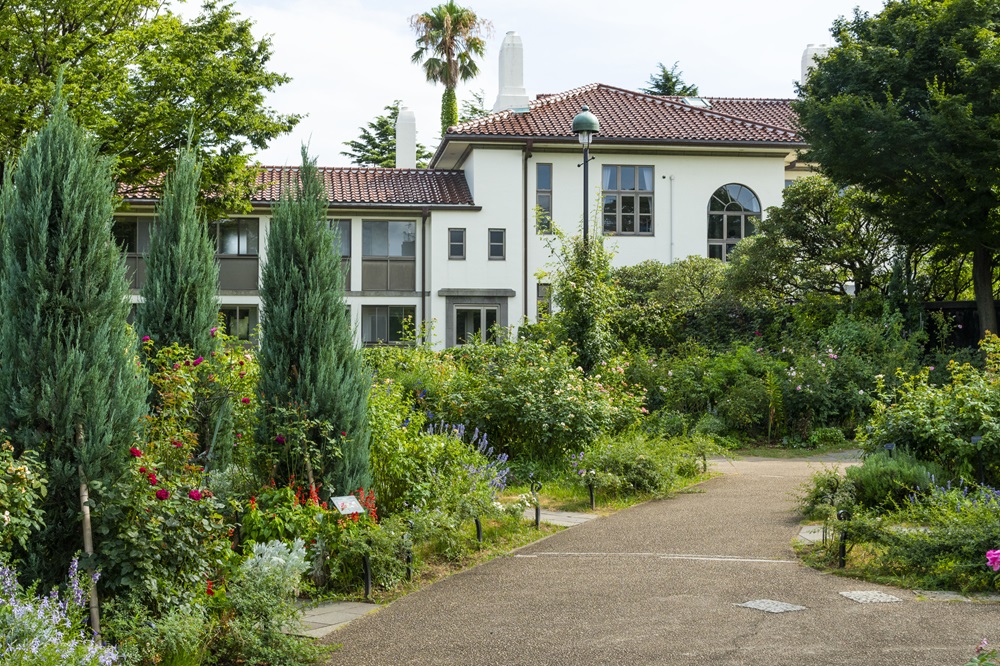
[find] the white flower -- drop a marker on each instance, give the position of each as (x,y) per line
(6,517)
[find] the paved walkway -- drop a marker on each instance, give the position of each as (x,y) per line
(690,580)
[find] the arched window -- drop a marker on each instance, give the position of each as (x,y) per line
(733,212)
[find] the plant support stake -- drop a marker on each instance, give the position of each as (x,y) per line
(479,530)
(536,487)
(842,555)
(366,566)
(590,487)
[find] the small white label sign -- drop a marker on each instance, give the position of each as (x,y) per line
(347,505)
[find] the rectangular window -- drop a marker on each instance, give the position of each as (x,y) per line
(388,250)
(237,237)
(456,243)
(241,320)
(475,323)
(343,229)
(131,233)
(498,244)
(386,324)
(627,207)
(543,300)
(543,197)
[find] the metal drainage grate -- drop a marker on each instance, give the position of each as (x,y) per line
(771,606)
(871,597)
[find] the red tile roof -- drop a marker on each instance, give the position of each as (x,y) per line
(773,112)
(357,185)
(347,186)
(632,116)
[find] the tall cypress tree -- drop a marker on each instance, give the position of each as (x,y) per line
(180,295)
(69,383)
(308,359)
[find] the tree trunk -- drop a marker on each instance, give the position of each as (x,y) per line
(982,285)
(88,542)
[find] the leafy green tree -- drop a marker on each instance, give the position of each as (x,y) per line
(821,239)
(586,295)
(69,384)
(376,147)
(310,368)
(904,106)
(668,82)
(180,294)
(450,38)
(136,75)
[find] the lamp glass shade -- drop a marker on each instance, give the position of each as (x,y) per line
(585,124)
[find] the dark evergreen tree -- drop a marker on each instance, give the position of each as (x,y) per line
(179,298)
(309,365)
(376,146)
(668,82)
(70,388)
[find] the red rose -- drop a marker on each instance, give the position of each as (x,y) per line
(195,494)
(162,494)
(152,479)
(136,453)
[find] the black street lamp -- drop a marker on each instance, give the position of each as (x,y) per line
(585,126)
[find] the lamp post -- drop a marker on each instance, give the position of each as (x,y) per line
(585,126)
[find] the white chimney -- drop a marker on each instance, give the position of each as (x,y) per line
(809,58)
(406,139)
(512,94)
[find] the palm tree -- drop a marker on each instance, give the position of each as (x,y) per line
(450,37)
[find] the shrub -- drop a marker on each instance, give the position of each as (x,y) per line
(432,470)
(162,529)
(258,608)
(885,481)
(534,400)
(179,637)
(825,493)
(23,486)
(957,525)
(46,631)
(937,422)
(635,462)
(827,438)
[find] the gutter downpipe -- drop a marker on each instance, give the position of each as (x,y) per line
(424,213)
(670,255)
(524,193)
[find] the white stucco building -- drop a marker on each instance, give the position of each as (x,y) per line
(458,243)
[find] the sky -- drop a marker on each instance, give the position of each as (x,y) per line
(348,59)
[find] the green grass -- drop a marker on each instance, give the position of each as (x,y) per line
(778,451)
(564,495)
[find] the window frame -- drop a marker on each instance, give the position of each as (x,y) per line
(242,239)
(543,297)
(408,311)
(484,331)
(490,244)
(252,315)
(727,212)
(368,260)
(637,196)
(452,255)
(343,224)
(543,222)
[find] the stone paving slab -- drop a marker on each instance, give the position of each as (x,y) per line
(560,518)
(810,534)
(320,620)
